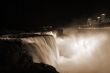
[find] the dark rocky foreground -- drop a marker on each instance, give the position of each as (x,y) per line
(15,59)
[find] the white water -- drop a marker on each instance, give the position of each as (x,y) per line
(43,49)
(78,51)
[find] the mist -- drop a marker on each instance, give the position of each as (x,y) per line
(84,50)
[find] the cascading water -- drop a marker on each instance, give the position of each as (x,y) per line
(78,51)
(84,50)
(43,49)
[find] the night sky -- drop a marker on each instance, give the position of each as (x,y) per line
(31,15)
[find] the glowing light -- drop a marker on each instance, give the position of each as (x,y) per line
(98,17)
(103,14)
(79,45)
(80,50)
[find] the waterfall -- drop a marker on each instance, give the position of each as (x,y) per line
(42,48)
(77,51)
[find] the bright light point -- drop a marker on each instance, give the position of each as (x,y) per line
(103,14)
(98,17)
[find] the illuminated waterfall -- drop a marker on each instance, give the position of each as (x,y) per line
(77,51)
(43,49)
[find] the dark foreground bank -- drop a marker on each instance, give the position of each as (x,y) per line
(15,59)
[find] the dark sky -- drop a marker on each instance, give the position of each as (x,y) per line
(30,15)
